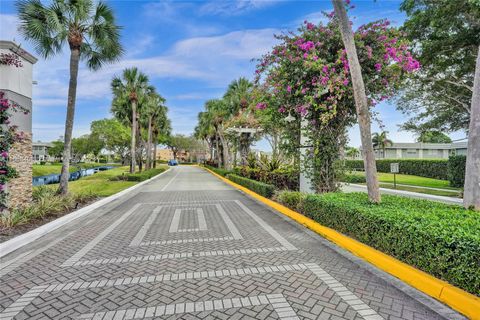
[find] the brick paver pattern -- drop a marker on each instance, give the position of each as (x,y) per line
(188,246)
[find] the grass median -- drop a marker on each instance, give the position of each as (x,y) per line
(47,205)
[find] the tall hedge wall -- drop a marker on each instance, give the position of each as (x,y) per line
(456,171)
(428,168)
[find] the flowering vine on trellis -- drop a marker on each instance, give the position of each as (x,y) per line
(9,134)
(307,76)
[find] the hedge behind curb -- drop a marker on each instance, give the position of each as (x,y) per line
(261,188)
(439,239)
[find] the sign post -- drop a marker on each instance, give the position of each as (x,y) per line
(394,168)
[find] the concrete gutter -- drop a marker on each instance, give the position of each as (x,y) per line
(26,238)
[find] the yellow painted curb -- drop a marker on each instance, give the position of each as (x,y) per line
(456,298)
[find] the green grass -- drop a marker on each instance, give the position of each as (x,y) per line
(422,190)
(99,183)
(45,169)
(411,180)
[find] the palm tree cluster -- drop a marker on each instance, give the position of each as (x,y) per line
(137,104)
(89,29)
(234,110)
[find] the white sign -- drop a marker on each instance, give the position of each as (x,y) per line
(394,167)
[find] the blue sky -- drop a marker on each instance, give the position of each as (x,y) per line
(190,51)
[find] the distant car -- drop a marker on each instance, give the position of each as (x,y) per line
(172,162)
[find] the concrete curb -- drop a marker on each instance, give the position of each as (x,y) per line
(26,238)
(456,298)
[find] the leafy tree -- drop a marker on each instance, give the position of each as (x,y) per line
(80,147)
(56,149)
(352,152)
(180,143)
(381,141)
(433,137)
(129,92)
(447,37)
(92,35)
(309,74)
(115,136)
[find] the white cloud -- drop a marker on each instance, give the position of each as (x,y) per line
(231,8)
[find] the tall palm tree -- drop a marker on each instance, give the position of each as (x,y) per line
(363,112)
(152,110)
(128,91)
(161,131)
(220,113)
(238,94)
(381,141)
(92,35)
(205,131)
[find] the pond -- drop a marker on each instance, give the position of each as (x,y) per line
(55,177)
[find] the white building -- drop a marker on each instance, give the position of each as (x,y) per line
(419,150)
(40,152)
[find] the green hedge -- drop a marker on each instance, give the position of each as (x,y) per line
(456,171)
(353,178)
(261,188)
(428,168)
(219,171)
(440,239)
(140,176)
(283,178)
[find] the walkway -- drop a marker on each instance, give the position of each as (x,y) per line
(187,246)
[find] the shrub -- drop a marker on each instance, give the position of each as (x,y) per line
(140,176)
(219,171)
(261,188)
(282,178)
(456,171)
(46,202)
(291,199)
(440,239)
(354,178)
(428,168)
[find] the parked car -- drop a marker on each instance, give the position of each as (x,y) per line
(172,162)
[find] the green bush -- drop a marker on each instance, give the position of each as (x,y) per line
(353,178)
(292,199)
(261,188)
(219,171)
(440,239)
(282,178)
(428,168)
(456,171)
(140,176)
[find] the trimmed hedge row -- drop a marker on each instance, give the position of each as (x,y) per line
(141,176)
(280,178)
(261,188)
(428,168)
(219,171)
(456,171)
(440,239)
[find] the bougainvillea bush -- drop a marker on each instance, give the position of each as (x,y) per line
(307,76)
(8,133)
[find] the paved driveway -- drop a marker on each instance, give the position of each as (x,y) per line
(188,246)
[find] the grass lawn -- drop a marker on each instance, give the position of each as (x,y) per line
(422,190)
(411,180)
(45,169)
(99,183)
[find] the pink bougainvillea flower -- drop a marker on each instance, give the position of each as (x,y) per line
(261,106)
(378,66)
(289,88)
(282,109)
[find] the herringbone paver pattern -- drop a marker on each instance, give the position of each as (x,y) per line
(187,246)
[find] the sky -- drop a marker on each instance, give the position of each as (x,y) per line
(191,51)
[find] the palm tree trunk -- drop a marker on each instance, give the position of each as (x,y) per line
(155,152)
(217,151)
(149,143)
(471,195)
(134,133)
(226,162)
(72,96)
(363,113)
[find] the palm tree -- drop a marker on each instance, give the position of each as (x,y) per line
(220,113)
(380,141)
(161,131)
(363,112)
(238,95)
(128,90)
(205,131)
(92,35)
(152,110)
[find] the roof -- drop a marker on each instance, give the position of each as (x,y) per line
(15,48)
(42,144)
